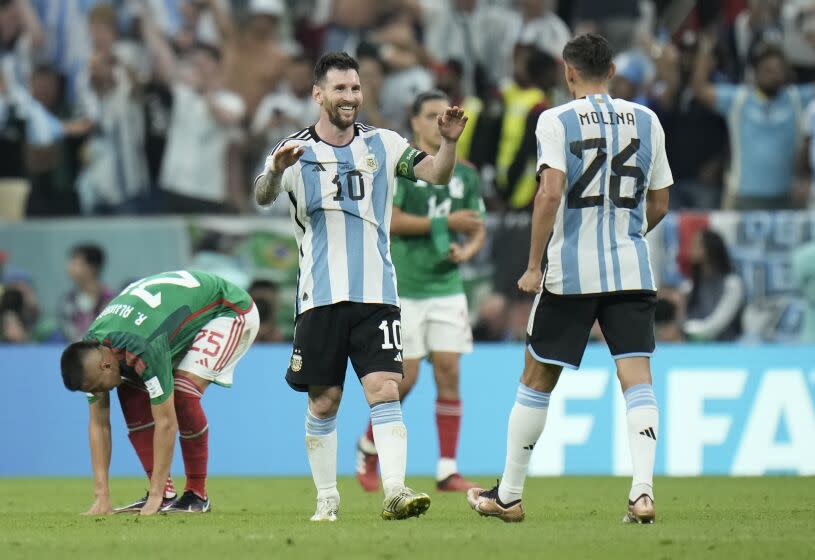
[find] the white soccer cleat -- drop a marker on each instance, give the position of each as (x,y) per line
(327,510)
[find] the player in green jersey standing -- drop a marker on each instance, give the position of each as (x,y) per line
(427,251)
(160,342)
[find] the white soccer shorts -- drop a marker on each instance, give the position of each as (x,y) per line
(436,324)
(217,348)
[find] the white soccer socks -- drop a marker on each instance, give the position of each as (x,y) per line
(643,427)
(390,437)
(526,422)
(321,446)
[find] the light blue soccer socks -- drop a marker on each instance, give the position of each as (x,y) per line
(321,446)
(526,422)
(390,437)
(643,427)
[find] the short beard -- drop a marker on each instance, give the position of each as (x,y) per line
(335,119)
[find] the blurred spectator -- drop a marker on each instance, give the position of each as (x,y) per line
(21,35)
(372,78)
(290,107)
(716,298)
(199,172)
(803,268)
(67,37)
(758,24)
(20,318)
(89,295)
(616,21)
(449,79)
(254,60)
(634,72)
(215,253)
(113,179)
(521,182)
(26,129)
(519,96)
(541,27)
(265,295)
(764,125)
(667,327)
(479,35)
(798,17)
(698,171)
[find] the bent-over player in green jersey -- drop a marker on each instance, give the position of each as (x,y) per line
(160,342)
(435,228)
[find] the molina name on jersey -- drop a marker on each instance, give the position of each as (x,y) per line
(612,152)
(341,202)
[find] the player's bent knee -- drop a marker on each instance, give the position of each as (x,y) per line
(324,402)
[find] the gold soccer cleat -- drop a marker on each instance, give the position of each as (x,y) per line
(486,503)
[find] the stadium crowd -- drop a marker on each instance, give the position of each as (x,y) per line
(134,107)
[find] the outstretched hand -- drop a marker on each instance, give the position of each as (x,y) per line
(451,123)
(285,157)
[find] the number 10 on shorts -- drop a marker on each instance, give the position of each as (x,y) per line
(391,334)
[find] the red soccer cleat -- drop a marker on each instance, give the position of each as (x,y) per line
(367,463)
(454,483)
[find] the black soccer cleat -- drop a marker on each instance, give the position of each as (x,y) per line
(189,502)
(136,506)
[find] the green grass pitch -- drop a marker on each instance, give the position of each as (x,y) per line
(568,517)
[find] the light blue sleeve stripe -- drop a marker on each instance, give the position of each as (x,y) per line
(381,194)
(637,217)
(319,243)
(571,217)
(612,217)
(601,253)
(354,235)
(42,128)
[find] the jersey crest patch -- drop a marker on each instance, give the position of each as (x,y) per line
(154,387)
(296,363)
(370,163)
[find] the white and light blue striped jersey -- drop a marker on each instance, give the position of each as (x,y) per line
(612,152)
(341,202)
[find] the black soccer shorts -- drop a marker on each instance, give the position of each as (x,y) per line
(560,326)
(326,337)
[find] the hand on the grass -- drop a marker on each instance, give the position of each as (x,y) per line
(530,282)
(101,506)
(152,506)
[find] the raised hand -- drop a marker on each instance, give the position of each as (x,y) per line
(451,123)
(286,157)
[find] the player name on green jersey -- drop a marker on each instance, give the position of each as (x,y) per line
(153,322)
(423,268)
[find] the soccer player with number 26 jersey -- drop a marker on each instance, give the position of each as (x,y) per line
(604,181)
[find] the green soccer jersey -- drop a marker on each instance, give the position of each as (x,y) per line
(153,322)
(423,268)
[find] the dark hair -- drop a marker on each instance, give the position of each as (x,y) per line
(94,255)
(424,97)
(71,363)
(333,61)
(590,54)
(207,48)
(762,51)
(455,66)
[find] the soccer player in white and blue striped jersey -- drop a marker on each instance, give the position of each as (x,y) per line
(340,176)
(604,181)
